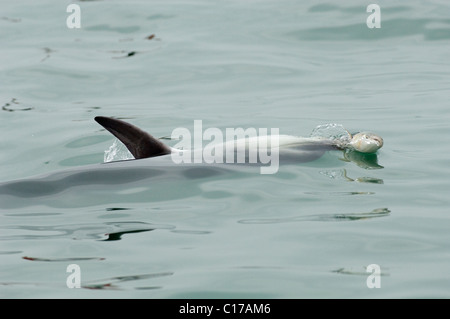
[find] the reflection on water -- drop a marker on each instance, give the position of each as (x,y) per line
(378,212)
(338,193)
(14,106)
(110,230)
(346,271)
(114,282)
(342,174)
(70,259)
(118,235)
(363,160)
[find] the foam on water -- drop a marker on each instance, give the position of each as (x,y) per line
(332,131)
(117,152)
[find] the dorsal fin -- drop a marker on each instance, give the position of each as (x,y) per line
(139,143)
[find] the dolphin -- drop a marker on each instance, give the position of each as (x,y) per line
(289,148)
(154,160)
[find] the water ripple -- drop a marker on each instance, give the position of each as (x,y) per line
(392,28)
(378,212)
(109,231)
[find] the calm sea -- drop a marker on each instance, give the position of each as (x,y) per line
(309,231)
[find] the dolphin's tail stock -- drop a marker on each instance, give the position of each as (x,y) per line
(139,143)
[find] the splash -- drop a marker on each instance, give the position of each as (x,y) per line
(117,152)
(332,131)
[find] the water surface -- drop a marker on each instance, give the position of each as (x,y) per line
(308,231)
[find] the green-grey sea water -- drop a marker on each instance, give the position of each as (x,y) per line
(308,231)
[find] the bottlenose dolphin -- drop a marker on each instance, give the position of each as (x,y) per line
(155,161)
(288,148)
